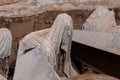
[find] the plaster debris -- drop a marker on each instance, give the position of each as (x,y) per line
(93,77)
(2,77)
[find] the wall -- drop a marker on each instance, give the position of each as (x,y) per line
(30,7)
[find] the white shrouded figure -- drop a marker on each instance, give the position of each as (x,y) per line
(5,42)
(55,43)
(5,50)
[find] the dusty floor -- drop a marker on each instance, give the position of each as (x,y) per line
(93,77)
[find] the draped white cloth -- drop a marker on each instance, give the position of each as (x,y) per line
(54,43)
(5,42)
(34,66)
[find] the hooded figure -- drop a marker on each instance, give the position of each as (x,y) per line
(5,50)
(54,43)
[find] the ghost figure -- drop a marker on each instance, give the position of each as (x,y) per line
(5,50)
(54,43)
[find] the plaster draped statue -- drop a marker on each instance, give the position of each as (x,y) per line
(54,43)
(101,20)
(5,50)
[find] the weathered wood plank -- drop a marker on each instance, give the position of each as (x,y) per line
(106,41)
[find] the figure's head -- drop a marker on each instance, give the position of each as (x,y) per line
(64,20)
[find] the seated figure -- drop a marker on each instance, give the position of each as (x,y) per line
(5,50)
(54,43)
